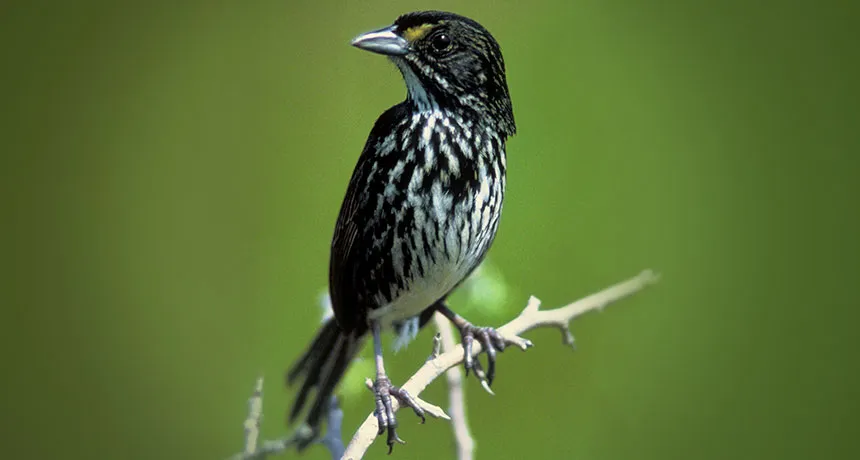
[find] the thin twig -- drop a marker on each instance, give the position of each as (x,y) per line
(255,413)
(530,318)
(463,440)
(333,439)
(437,346)
(252,430)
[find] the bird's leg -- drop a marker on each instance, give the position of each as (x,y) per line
(384,390)
(489,338)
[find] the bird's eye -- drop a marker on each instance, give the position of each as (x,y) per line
(440,43)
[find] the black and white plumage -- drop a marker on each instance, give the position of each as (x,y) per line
(423,205)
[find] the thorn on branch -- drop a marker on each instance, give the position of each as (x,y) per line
(437,347)
(524,344)
(567,336)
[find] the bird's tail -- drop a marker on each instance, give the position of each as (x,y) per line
(320,368)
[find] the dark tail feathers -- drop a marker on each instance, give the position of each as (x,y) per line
(321,367)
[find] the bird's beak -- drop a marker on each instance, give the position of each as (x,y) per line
(383,41)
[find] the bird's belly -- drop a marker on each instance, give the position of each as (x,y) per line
(423,291)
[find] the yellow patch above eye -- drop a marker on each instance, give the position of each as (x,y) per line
(417,33)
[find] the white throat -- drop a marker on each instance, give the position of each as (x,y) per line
(417,92)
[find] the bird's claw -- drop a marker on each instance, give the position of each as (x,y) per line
(492,342)
(384,391)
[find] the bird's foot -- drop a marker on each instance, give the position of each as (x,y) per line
(384,391)
(492,342)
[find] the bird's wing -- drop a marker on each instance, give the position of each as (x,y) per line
(346,230)
(358,206)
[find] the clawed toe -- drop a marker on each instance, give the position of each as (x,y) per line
(492,342)
(384,391)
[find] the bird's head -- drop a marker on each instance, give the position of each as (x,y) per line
(447,61)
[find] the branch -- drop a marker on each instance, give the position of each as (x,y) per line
(252,423)
(332,439)
(456,393)
(530,318)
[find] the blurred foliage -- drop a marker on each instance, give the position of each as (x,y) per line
(486,291)
(171,172)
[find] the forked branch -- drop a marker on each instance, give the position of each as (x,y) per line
(531,317)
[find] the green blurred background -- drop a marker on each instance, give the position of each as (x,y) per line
(171,172)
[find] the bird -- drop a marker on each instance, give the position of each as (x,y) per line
(421,210)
